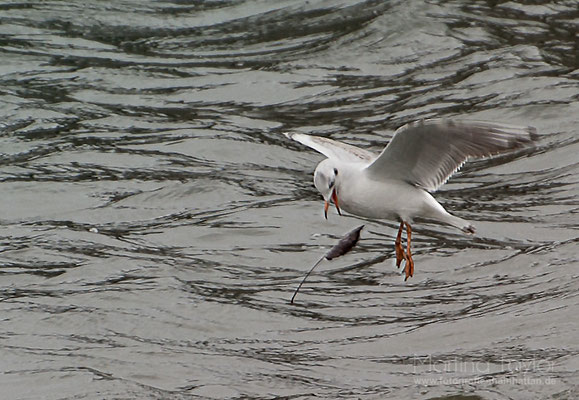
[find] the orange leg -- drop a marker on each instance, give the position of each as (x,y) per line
(398,247)
(409,267)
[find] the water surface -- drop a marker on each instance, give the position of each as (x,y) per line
(155,221)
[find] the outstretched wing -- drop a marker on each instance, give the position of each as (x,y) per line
(426,153)
(333,149)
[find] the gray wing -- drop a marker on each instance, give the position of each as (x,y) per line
(333,149)
(426,153)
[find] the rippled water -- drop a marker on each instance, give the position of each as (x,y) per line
(155,221)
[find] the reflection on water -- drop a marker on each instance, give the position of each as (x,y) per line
(155,221)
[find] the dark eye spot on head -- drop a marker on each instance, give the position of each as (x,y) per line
(335,171)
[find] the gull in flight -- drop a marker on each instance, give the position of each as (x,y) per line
(396,184)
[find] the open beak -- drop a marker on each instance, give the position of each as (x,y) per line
(334,198)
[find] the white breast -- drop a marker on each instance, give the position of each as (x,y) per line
(388,199)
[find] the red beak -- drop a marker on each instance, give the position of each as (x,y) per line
(334,198)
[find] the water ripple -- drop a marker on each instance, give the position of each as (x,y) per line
(155,221)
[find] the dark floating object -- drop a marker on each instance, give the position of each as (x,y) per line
(345,244)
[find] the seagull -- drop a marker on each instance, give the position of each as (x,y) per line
(397,184)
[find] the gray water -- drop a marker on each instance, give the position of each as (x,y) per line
(155,221)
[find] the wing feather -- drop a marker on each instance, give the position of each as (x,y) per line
(426,153)
(333,149)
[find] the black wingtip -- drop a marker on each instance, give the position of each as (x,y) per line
(470,229)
